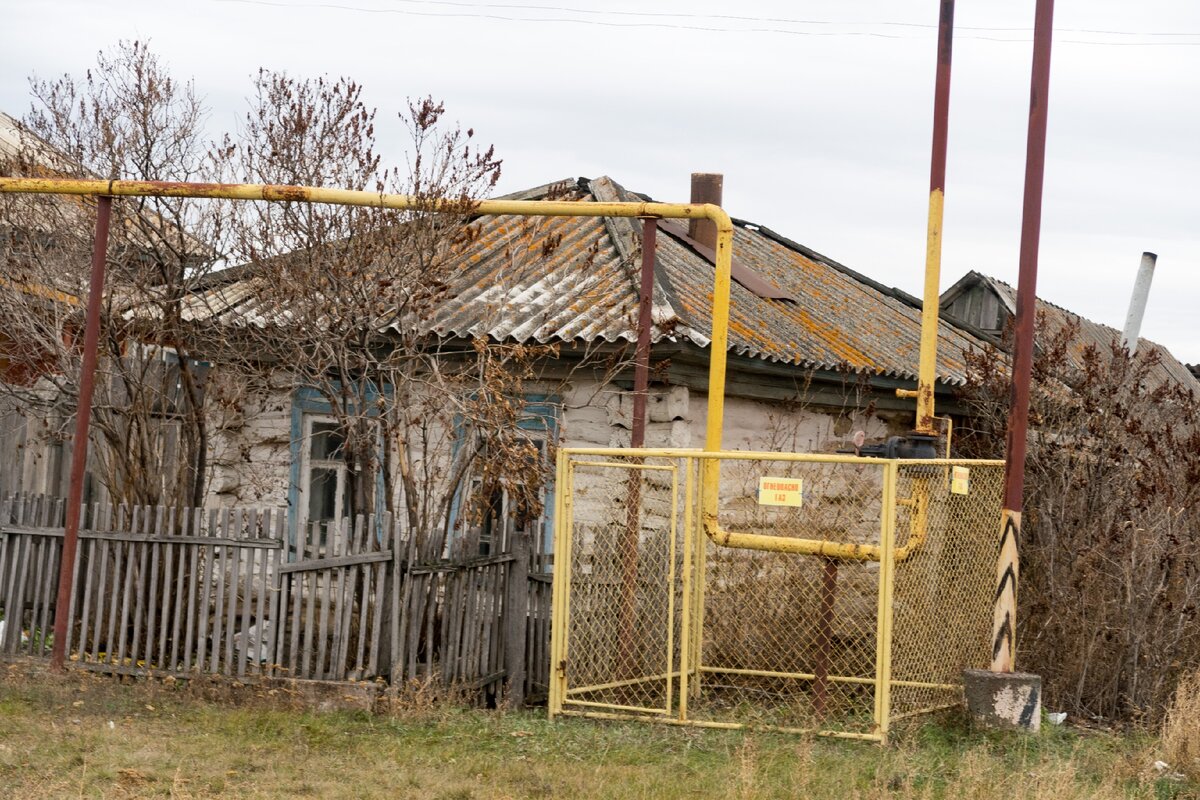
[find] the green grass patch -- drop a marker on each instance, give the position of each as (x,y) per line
(81,735)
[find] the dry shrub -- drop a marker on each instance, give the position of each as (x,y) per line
(1110,557)
(1181,728)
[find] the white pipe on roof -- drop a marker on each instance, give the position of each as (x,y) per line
(1137,303)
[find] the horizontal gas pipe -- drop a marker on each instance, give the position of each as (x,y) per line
(711,468)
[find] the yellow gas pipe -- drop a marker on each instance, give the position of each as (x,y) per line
(710,469)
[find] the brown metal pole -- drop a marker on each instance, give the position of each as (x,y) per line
(641,386)
(641,364)
(829,578)
(1007,567)
(87,372)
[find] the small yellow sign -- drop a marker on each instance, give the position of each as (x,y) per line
(960,480)
(780,492)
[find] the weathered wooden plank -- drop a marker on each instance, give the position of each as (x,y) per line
(12,553)
(335,563)
(195,579)
(470,578)
(414,623)
(170,592)
(127,536)
(251,520)
(140,588)
(379,622)
(309,630)
(234,519)
(126,590)
(260,606)
(15,607)
(354,577)
(430,620)
(323,622)
(276,597)
(454,566)
(516,620)
(210,568)
(339,541)
(85,567)
(399,600)
(108,512)
(294,584)
(110,640)
(73,613)
(50,600)
(5,552)
(365,618)
(39,579)
(450,626)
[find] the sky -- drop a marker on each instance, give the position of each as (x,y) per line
(819,114)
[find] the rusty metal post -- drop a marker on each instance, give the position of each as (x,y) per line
(641,368)
(1007,567)
(641,387)
(824,637)
(87,373)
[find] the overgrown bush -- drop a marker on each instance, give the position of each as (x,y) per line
(1110,557)
(1181,728)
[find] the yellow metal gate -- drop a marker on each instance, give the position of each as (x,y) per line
(654,619)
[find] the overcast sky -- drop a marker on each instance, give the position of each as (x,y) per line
(818,113)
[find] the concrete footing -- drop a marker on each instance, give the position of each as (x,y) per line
(1006,700)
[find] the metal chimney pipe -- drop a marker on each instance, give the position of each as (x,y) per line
(706,188)
(1137,303)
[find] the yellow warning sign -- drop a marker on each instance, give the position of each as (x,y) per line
(780,492)
(960,480)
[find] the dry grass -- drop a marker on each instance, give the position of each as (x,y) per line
(86,736)
(1181,728)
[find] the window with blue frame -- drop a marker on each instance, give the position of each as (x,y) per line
(320,476)
(483,529)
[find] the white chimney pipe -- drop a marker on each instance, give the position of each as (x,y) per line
(1137,303)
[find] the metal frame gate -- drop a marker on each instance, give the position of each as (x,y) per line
(654,620)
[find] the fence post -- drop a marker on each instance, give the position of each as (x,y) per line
(516,618)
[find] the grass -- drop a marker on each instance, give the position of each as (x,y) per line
(85,736)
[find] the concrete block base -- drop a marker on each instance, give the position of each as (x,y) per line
(1005,700)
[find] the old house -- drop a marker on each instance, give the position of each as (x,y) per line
(817,349)
(989,306)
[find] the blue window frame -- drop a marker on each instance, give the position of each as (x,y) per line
(318,475)
(539,421)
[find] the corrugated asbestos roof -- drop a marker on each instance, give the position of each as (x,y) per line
(1091,334)
(575,279)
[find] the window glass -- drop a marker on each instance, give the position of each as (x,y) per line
(326,441)
(322,494)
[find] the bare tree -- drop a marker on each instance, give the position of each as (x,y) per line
(345,300)
(126,118)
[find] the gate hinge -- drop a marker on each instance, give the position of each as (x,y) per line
(562,668)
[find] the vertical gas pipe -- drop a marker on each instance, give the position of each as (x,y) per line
(91,343)
(1007,568)
(927,372)
(641,387)
(641,367)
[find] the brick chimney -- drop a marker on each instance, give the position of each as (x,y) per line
(706,188)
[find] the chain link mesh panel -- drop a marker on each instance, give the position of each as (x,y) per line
(790,640)
(661,621)
(624,601)
(943,591)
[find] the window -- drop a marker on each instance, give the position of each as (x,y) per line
(322,471)
(488,514)
(321,487)
(477,523)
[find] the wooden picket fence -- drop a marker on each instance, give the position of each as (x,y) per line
(225,592)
